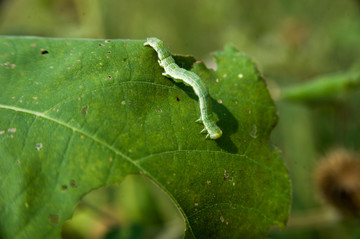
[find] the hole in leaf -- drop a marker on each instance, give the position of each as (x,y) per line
(44,52)
(177,98)
(64,187)
(135,207)
(38,146)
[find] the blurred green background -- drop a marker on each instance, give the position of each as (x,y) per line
(291,41)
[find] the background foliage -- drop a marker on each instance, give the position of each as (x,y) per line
(292,42)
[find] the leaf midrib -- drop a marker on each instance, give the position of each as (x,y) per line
(44,116)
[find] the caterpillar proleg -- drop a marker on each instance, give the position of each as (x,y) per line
(172,70)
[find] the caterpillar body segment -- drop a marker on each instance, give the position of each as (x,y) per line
(173,71)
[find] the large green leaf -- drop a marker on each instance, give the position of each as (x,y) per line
(76,115)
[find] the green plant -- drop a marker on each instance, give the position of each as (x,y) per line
(76,115)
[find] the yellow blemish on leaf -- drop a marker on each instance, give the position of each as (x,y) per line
(38,146)
(12,130)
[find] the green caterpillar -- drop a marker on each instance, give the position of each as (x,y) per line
(178,74)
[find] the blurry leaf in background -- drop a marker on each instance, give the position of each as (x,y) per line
(338,180)
(322,90)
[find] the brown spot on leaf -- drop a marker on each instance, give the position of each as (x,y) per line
(54,218)
(73,183)
(84,109)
